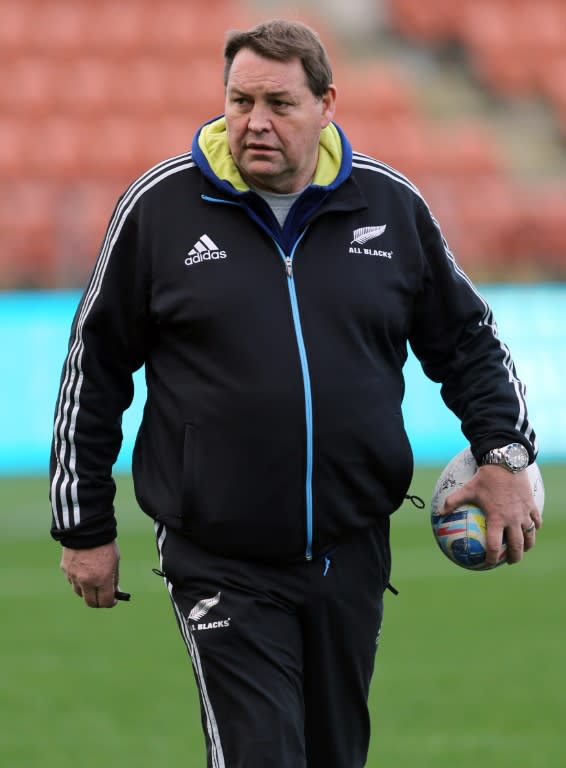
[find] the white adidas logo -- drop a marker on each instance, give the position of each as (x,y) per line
(205,249)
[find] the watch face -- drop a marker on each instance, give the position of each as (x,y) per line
(517,456)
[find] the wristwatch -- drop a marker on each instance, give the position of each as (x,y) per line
(514,457)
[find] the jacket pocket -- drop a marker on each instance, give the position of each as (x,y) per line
(242,491)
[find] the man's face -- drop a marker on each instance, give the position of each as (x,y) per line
(274,121)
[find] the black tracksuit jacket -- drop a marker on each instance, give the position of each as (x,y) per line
(273,359)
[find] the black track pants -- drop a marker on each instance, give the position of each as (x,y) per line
(282,656)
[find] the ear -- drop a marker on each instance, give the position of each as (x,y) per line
(328,102)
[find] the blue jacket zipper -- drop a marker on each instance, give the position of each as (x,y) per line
(288,261)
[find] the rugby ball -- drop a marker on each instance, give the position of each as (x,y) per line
(462,535)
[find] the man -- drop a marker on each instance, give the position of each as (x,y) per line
(270,281)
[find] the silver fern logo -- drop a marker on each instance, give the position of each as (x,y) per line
(199,612)
(203,607)
(365,234)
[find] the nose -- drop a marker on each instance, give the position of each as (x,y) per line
(259,119)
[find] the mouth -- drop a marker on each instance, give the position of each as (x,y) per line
(260,148)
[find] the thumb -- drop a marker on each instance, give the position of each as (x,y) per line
(454,500)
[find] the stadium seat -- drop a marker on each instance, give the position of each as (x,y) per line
(195,86)
(111,146)
(404,143)
(142,84)
(553,86)
(53,147)
(84,208)
(167,135)
(113,28)
(191,28)
(546,217)
(13,146)
(16,25)
(28,233)
(58,25)
(97,91)
(430,21)
(85,85)
(488,32)
(27,207)
(377,91)
(465,149)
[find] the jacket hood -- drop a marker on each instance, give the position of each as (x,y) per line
(211,152)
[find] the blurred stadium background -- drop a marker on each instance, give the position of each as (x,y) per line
(468,99)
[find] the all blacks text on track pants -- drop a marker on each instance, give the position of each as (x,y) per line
(282,655)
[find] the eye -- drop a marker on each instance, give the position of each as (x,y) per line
(240,101)
(280,105)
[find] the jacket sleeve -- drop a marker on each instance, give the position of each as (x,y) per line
(106,346)
(455,337)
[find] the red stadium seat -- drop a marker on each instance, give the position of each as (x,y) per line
(28,84)
(116,28)
(53,147)
(13,146)
(16,24)
(57,25)
(195,28)
(195,85)
(496,57)
(430,21)
(96,91)
(141,84)
(404,143)
(83,213)
(85,85)
(28,233)
(553,82)
(466,149)
(377,91)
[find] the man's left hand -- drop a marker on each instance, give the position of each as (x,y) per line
(508,504)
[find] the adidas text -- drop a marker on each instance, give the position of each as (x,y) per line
(204,256)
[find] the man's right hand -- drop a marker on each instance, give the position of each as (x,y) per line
(93,573)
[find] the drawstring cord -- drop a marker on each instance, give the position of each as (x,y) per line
(416,501)
(419,503)
(327,562)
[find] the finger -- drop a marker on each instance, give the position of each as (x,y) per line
(515,545)
(90,596)
(452,502)
(494,545)
(536,519)
(99,597)
(529,536)
(76,587)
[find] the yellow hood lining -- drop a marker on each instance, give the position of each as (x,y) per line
(213,141)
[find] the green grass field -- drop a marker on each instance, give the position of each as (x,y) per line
(470,669)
